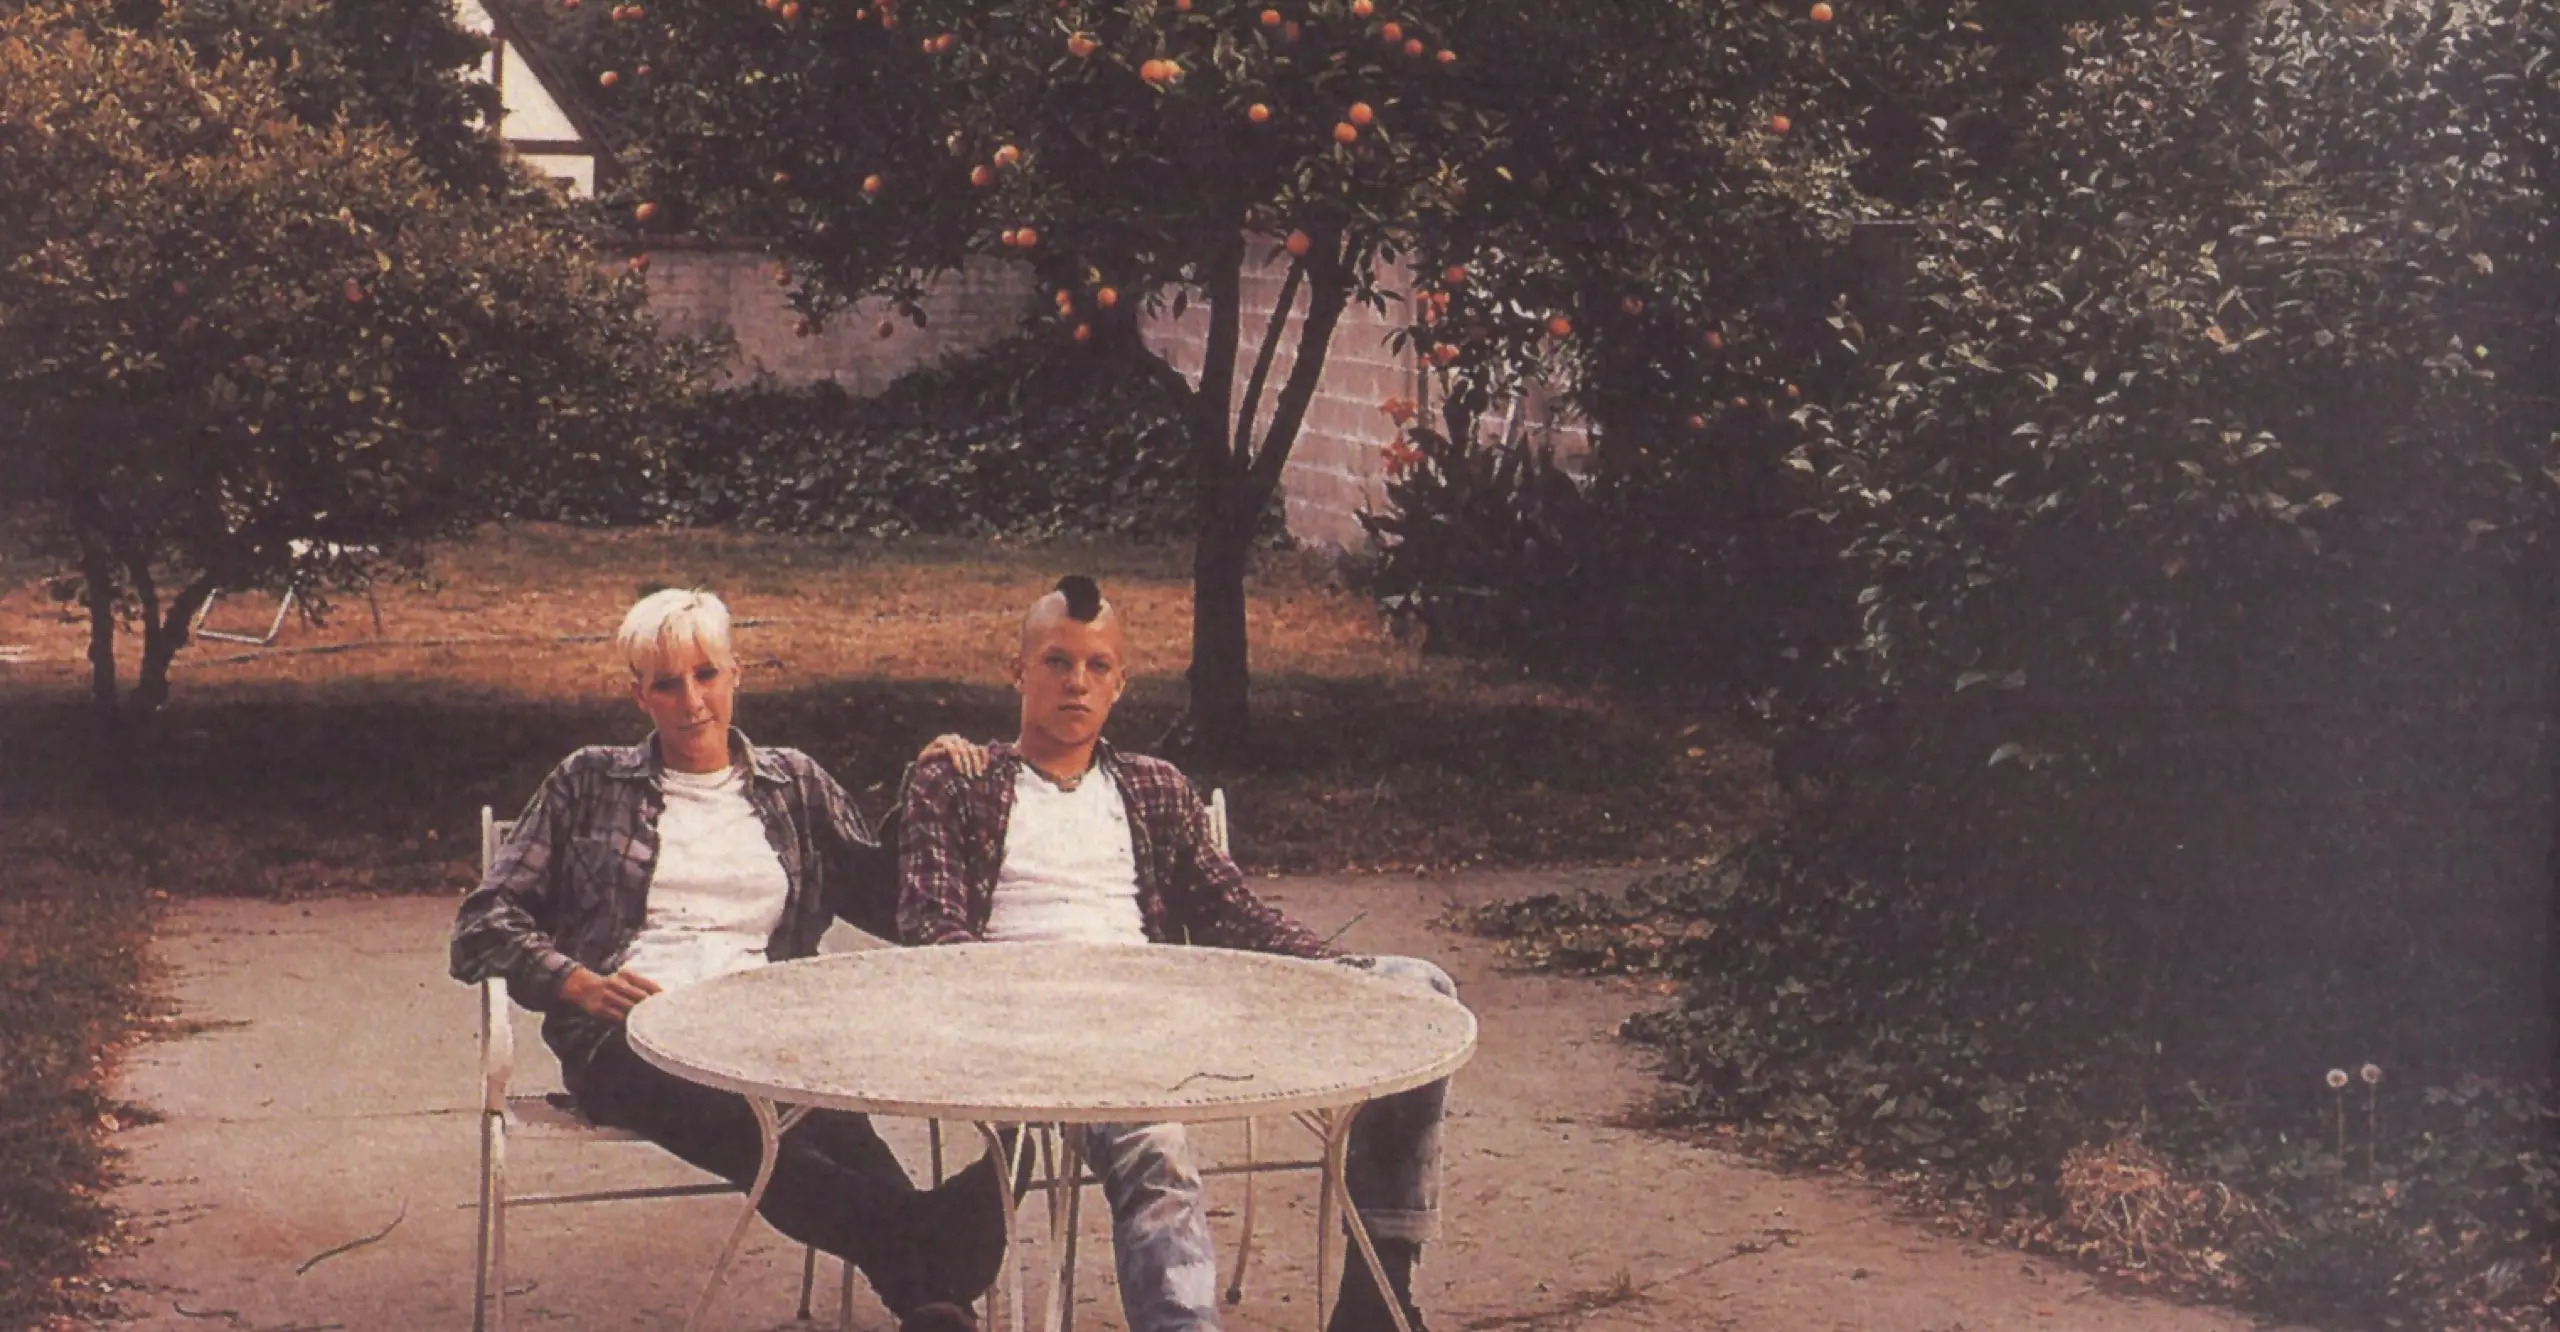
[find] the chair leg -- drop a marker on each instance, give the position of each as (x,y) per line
(808,1279)
(498,1223)
(1244,1241)
(483,1234)
(844,1296)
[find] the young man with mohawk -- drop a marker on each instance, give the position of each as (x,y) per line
(1057,835)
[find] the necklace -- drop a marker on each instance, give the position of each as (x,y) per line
(1064,784)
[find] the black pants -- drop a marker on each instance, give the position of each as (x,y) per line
(836,1185)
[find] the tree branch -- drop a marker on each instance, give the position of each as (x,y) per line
(1330,294)
(1263,357)
(1212,450)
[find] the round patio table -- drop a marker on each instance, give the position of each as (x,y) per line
(1058,1033)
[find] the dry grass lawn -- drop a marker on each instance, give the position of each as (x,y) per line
(345,759)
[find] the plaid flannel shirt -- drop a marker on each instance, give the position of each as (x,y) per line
(571,886)
(951,845)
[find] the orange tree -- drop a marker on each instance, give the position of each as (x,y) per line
(1132,151)
(242,350)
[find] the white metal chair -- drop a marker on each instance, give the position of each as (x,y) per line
(504,1114)
(294,586)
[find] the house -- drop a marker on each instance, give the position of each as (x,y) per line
(553,134)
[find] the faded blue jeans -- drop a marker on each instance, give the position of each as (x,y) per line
(1160,1225)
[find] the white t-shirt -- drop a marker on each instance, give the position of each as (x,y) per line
(717,893)
(1070,870)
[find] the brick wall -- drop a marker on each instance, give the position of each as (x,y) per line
(1338,467)
(697,288)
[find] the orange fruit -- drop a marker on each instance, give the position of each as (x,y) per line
(1298,243)
(1413,46)
(1361,114)
(982,177)
(1448,57)
(1821,13)
(1106,298)
(1345,132)
(1362,8)
(1008,155)
(1715,340)
(1027,237)
(1271,18)
(1697,422)
(1455,275)
(870,184)
(607,79)
(1780,124)
(1084,333)
(1633,305)
(1559,327)
(644,212)
(1391,33)
(1257,113)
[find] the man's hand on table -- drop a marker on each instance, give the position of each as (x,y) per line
(608,997)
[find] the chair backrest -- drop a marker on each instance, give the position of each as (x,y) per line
(497,1028)
(1218,820)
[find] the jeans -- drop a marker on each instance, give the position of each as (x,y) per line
(836,1185)
(1160,1226)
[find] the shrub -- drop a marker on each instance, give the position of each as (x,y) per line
(1026,438)
(2177,718)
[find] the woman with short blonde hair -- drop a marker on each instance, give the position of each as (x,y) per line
(640,868)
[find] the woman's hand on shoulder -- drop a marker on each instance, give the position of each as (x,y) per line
(970,759)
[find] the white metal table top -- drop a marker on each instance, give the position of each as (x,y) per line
(1056,1033)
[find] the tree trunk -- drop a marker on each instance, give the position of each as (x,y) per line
(98,573)
(1235,479)
(165,633)
(1221,716)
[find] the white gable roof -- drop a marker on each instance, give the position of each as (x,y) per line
(531,120)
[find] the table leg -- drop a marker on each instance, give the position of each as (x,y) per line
(1336,1131)
(1062,1196)
(1008,1165)
(772,1122)
(1321,1124)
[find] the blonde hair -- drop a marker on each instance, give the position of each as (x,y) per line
(662,622)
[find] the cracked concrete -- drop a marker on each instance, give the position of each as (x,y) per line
(314,1168)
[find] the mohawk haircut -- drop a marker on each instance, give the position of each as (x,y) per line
(1084,597)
